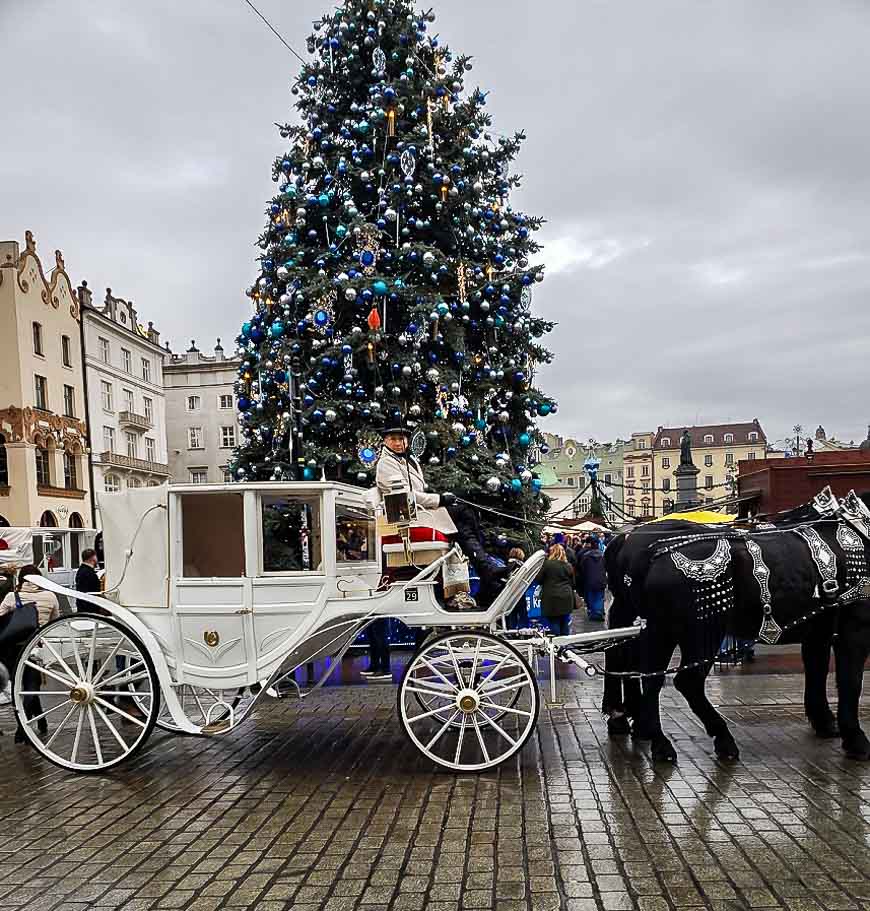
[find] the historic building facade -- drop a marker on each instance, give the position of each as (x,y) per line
(126,403)
(43,435)
(202,427)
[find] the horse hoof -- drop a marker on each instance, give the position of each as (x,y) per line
(726,748)
(663,751)
(857,747)
(618,726)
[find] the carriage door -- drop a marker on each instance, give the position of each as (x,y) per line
(211,594)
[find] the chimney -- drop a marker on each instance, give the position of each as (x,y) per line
(8,254)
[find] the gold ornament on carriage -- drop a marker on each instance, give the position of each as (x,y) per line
(211,638)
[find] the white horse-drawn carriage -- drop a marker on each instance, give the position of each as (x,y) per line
(214,594)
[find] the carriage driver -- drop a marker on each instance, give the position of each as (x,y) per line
(443,512)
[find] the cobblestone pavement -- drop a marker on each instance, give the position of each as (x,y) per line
(325,805)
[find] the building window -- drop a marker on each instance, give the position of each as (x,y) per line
(666,463)
(646,508)
(43,467)
(608,479)
(146,370)
(729,437)
(753,436)
(199,476)
(69,401)
(665,443)
(226,402)
(708,461)
(131,444)
(645,486)
(41,387)
(641,444)
(149,409)
(47,520)
(729,458)
(228,437)
(750,455)
(194,438)
(150,449)
(193,403)
(126,361)
(228,475)
(644,471)
(569,482)
(666,483)
(106,395)
(133,482)
(667,506)
(37,340)
(104,350)
(129,402)
(708,437)
(108,439)
(629,472)
(111,484)
(631,509)
(630,486)
(66,351)
(4,464)
(708,482)
(70,479)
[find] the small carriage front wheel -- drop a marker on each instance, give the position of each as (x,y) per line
(479,701)
(86,692)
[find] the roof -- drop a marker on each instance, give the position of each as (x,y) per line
(740,432)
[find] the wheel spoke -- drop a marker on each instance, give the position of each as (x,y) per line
(495,670)
(60,727)
(127,670)
(115,733)
(92,650)
(96,678)
(43,692)
(57,658)
(460,738)
(60,705)
(438,673)
(75,645)
(493,723)
(521,682)
(199,705)
(81,721)
(456,668)
(121,712)
(506,708)
(67,681)
(480,737)
(474,663)
(440,710)
(95,735)
(427,692)
(446,725)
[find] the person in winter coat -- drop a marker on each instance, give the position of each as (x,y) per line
(47,610)
(518,618)
(593,576)
(557,590)
(87,579)
(397,467)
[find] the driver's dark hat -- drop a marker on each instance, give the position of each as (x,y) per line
(395,428)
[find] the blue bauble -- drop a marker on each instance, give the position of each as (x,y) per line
(341,231)
(277,329)
(257,335)
(516,485)
(465,440)
(246,330)
(536,484)
(524,439)
(323,200)
(308,474)
(544,409)
(243,404)
(367,258)
(380,287)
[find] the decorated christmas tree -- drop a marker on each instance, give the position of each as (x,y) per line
(395,282)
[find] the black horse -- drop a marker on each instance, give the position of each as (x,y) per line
(697,584)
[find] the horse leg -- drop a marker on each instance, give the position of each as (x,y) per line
(648,723)
(851,653)
(690,683)
(816,655)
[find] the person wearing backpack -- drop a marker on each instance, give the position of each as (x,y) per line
(47,609)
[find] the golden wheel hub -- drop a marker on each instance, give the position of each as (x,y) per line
(81,694)
(467,701)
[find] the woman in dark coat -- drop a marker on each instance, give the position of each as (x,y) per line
(557,590)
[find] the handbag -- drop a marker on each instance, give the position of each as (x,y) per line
(20,624)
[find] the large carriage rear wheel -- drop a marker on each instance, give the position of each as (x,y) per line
(483,697)
(72,693)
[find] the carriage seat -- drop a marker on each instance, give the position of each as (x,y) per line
(427,545)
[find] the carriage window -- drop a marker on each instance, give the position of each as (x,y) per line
(213,542)
(291,534)
(354,533)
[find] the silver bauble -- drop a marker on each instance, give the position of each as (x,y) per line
(330,416)
(493,484)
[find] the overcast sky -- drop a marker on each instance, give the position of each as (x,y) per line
(703,168)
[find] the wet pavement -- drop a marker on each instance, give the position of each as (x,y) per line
(324,804)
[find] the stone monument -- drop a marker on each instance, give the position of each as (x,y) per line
(687,477)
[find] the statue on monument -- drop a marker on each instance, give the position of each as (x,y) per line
(686,449)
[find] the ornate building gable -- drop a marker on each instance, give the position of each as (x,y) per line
(56,290)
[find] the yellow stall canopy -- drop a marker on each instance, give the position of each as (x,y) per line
(701,516)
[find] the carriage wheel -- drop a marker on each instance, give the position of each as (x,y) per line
(72,693)
(202,706)
(483,698)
